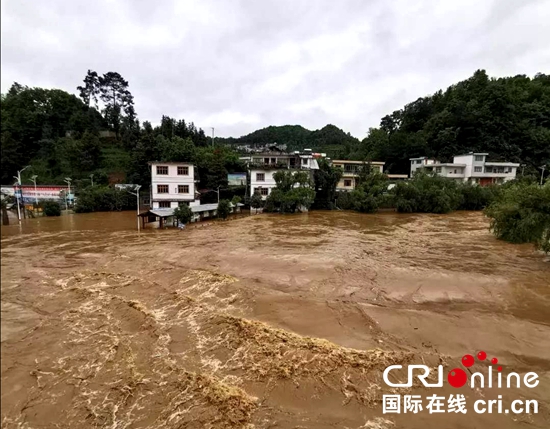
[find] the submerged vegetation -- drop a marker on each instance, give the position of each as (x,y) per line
(521,214)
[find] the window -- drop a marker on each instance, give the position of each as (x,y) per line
(488,169)
(438,169)
(260,177)
(347,182)
(478,158)
(266,160)
(183,171)
(264,191)
(304,161)
(162,169)
(183,189)
(164,204)
(257,160)
(418,161)
(478,169)
(162,189)
(273,160)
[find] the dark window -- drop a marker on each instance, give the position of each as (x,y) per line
(264,191)
(478,158)
(266,160)
(162,189)
(304,161)
(164,204)
(183,189)
(260,177)
(273,160)
(183,171)
(162,169)
(347,182)
(438,169)
(478,169)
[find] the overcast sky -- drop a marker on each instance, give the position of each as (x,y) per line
(240,65)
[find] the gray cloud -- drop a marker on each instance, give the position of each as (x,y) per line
(240,65)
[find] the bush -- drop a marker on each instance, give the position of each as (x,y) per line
(51,208)
(256,201)
(427,193)
(521,214)
(476,197)
(224,208)
(183,214)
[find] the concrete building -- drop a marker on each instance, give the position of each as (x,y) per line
(471,167)
(351,169)
(263,166)
(172,184)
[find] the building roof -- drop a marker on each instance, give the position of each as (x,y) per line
(195,209)
(445,164)
(502,164)
(347,161)
(170,163)
(473,153)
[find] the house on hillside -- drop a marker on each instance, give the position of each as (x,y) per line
(350,172)
(471,167)
(172,184)
(262,167)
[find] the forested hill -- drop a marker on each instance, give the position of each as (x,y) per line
(329,139)
(507,117)
(58,134)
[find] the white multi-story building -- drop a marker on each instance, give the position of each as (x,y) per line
(472,167)
(172,184)
(262,167)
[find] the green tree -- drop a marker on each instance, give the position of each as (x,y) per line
(256,201)
(521,214)
(326,179)
(183,214)
(224,208)
(91,89)
(118,100)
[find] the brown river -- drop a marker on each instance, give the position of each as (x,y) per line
(268,321)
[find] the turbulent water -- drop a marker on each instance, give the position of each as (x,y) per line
(265,321)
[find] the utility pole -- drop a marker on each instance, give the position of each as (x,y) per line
(33,179)
(542,174)
(68,182)
(212,136)
(18,178)
(92,178)
(137,188)
(218,195)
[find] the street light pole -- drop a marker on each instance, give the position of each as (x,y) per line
(137,195)
(20,191)
(33,179)
(68,182)
(212,136)
(218,195)
(92,179)
(542,174)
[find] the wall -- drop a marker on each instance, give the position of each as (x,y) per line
(172,179)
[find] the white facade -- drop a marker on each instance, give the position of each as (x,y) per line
(472,167)
(172,183)
(417,163)
(262,167)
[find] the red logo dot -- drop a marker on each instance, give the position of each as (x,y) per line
(494,361)
(482,355)
(499,368)
(457,378)
(467,361)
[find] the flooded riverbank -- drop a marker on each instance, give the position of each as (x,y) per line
(264,321)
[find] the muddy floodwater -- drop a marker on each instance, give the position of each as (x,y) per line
(266,321)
